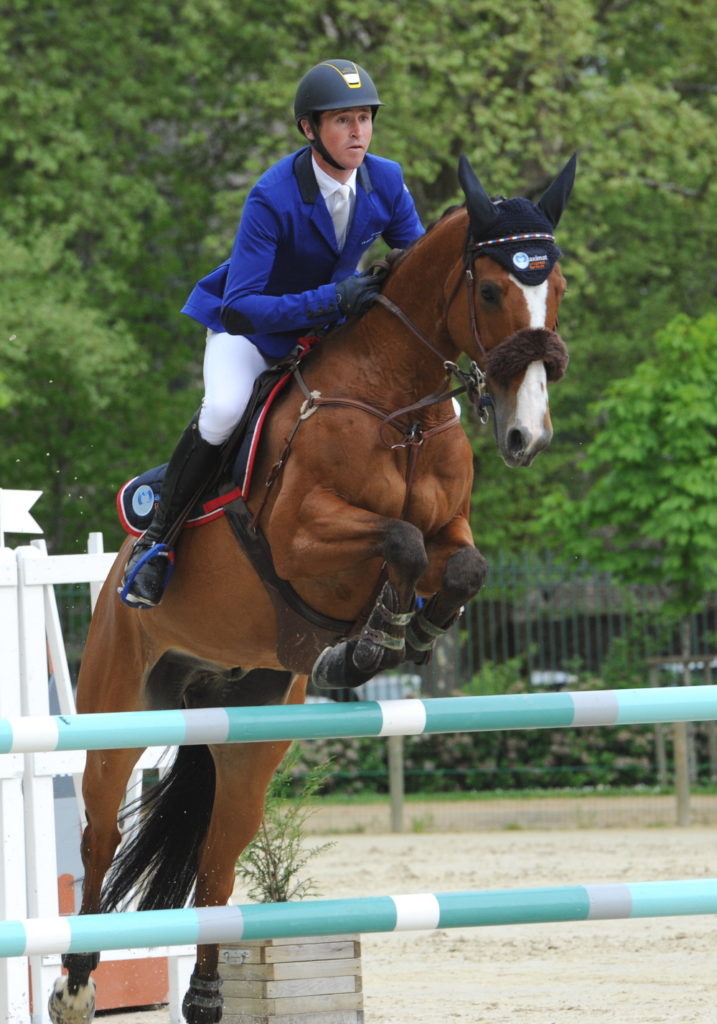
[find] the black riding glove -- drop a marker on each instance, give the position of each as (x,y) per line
(356,293)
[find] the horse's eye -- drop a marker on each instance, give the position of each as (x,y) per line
(490,293)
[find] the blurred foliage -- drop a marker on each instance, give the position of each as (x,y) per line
(271,867)
(132,131)
(648,512)
(585,758)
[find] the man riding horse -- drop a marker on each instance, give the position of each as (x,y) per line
(361,489)
(293,270)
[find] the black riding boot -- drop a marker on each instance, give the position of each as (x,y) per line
(188,475)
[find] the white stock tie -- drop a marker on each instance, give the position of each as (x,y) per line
(340,212)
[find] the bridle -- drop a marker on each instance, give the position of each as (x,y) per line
(472,382)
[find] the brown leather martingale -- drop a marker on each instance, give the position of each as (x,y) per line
(302,632)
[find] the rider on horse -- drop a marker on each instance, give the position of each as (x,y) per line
(293,270)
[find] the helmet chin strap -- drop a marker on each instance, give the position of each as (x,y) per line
(318,145)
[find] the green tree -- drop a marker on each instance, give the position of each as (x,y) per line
(648,513)
(66,367)
(132,131)
(114,144)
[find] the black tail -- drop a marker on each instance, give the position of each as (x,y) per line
(158,865)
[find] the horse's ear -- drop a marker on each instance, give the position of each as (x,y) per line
(555,198)
(481,210)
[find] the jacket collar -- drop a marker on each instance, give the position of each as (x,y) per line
(306,179)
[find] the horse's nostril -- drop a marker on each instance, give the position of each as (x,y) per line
(516,441)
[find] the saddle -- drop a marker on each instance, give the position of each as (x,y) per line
(303,633)
(136,499)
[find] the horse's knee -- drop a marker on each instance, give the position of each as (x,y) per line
(465,573)
(405,551)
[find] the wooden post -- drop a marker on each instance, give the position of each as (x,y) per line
(683,737)
(681,731)
(660,748)
(682,773)
(711,730)
(396,781)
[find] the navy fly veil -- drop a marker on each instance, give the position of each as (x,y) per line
(520,239)
(516,233)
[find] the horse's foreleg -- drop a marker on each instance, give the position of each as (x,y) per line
(463,576)
(381,643)
(329,537)
(105,778)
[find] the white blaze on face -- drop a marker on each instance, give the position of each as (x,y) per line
(531,402)
(536,299)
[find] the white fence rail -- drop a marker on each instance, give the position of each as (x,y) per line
(33,649)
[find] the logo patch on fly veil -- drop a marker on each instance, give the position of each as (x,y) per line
(522,241)
(522,261)
(351,78)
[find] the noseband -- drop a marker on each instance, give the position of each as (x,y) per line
(514,355)
(509,359)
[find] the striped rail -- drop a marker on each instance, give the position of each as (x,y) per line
(34,734)
(426,911)
(191,926)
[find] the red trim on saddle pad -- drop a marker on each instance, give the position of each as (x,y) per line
(305,345)
(256,436)
(124,521)
(213,508)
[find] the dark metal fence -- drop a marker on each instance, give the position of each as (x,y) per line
(537,618)
(553,623)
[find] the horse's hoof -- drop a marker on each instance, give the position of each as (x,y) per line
(329,671)
(66,1008)
(203,1002)
(334,670)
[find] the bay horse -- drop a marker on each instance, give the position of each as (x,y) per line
(362,492)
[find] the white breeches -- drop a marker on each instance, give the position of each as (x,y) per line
(231,365)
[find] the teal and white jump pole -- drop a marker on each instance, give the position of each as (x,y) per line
(425,911)
(411,717)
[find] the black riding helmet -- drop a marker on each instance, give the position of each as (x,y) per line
(333,85)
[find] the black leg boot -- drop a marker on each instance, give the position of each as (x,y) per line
(189,473)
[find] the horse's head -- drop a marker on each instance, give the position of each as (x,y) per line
(514,288)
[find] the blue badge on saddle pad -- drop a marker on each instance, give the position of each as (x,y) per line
(143,501)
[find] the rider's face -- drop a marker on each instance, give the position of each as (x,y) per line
(346,134)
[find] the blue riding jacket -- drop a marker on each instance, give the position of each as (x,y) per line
(280,282)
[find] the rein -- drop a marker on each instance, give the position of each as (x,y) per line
(472,383)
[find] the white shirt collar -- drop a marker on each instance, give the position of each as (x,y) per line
(327,184)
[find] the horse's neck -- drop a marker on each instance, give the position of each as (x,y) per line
(421,285)
(386,358)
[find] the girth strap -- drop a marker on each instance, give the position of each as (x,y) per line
(302,632)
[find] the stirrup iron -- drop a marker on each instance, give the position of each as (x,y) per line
(156,551)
